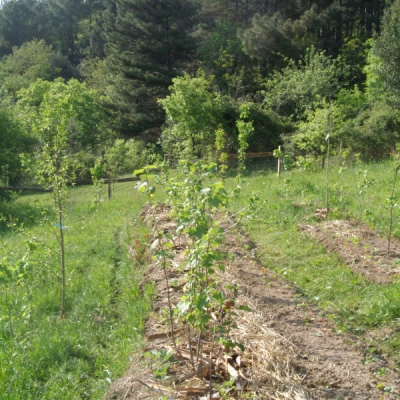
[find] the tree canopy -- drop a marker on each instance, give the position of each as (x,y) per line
(133,65)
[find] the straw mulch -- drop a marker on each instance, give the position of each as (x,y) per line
(200,368)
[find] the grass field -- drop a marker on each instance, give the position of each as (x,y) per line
(41,355)
(45,357)
(359,192)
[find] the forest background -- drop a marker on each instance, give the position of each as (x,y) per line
(144,78)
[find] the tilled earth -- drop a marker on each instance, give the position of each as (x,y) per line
(322,363)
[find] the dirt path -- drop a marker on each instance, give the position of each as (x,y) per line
(331,363)
(326,364)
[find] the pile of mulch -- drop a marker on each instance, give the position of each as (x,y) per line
(290,350)
(360,248)
(265,368)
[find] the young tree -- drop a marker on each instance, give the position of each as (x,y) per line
(387,48)
(193,114)
(53,167)
(65,118)
(29,62)
(149,44)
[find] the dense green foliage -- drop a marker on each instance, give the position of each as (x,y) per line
(33,60)
(144,67)
(13,142)
(288,61)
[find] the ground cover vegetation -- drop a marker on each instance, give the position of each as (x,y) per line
(357,304)
(44,356)
(92,90)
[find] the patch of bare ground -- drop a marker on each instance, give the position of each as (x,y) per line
(360,248)
(291,352)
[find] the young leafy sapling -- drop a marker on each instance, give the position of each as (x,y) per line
(53,167)
(391,201)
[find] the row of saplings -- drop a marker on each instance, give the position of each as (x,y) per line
(197,198)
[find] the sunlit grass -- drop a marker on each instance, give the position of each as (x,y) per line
(358,192)
(41,355)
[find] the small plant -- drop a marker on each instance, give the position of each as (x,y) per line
(144,186)
(245,130)
(363,184)
(382,371)
(222,156)
(327,140)
(97,172)
(163,359)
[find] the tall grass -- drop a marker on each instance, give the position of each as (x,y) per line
(357,191)
(41,355)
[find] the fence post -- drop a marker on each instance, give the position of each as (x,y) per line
(109,187)
(279,161)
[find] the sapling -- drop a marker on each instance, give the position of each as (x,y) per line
(197,197)
(327,176)
(164,255)
(97,172)
(391,201)
(278,153)
(363,184)
(222,156)
(327,140)
(245,129)
(53,165)
(144,186)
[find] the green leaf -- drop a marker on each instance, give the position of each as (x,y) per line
(138,172)
(183,306)
(244,308)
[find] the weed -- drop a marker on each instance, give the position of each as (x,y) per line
(162,360)
(382,371)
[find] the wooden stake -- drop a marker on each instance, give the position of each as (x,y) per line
(279,162)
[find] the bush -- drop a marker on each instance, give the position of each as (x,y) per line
(375,132)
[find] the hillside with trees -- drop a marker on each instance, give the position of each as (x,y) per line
(296,63)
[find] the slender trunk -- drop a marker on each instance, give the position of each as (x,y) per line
(391,208)
(109,187)
(327,181)
(189,339)
(60,221)
(171,320)
(10,322)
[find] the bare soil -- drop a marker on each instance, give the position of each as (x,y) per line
(360,248)
(292,351)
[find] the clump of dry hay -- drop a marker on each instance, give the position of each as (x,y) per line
(270,371)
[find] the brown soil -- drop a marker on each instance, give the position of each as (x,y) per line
(360,248)
(292,352)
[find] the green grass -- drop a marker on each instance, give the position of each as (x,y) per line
(41,355)
(321,277)
(45,357)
